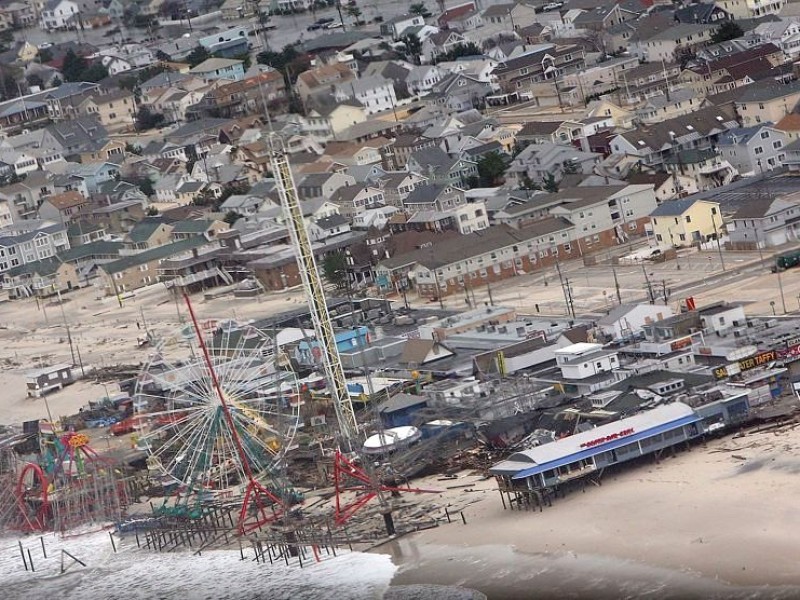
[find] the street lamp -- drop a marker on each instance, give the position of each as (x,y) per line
(772,306)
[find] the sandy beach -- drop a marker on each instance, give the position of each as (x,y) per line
(716,521)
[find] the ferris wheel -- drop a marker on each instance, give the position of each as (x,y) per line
(216,412)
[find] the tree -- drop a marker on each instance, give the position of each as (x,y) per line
(131,149)
(570,168)
(198,55)
(151,211)
(334,267)
(45,55)
(729,30)
(526,183)
(231,217)
(419,8)
(147,119)
(491,169)
(468,49)
(413,46)
(94,73)
(353,11)
(550,183)
(73,66)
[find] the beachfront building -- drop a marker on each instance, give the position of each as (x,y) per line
(530,478)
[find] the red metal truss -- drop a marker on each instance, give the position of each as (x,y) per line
(343,471)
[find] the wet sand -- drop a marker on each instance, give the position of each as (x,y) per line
(698,525)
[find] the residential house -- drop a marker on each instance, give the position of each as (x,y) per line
(459,92)
(753,150)
(59,15)
(546,62)
(146,234)
(443,21)
(375,94)
(662,107)
(119,217)
(767,102)
(81,233)
(24,197)
(540,162)
(421,79)
(434,196)
(751,9)
(40,278)
(509,16)
(453,265)
(396,186)
(464,218)
(31,242)
(245,97)
(439,167)
(354,199)
(328,120)
(396,26)
(64,207)
(441,43)
(214,69)
(702,12)
(114,109)
(320,79)
(653,143)
(322,185)
(86,139)
(141,269)
(667,43)
(686,222)
(765,223)
(706,169)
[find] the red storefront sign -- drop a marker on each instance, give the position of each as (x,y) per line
(607,438)
(790,354)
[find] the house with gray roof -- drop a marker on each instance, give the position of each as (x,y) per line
(753,150)
(439,167)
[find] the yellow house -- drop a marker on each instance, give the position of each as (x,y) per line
(767,102)
(686,222)
(115,109)
(623,118)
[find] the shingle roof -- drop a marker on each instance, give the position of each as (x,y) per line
(66,200)
(142,231)
(159,252)
(768,91)
(425,194)
(674,208)
(458,248)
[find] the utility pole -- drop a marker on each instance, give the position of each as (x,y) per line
(489,289)
(716,235)
(649,284)
(564,288)
(616,282)
(780,287)
(66,325)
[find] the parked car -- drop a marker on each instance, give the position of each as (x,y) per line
(334,25)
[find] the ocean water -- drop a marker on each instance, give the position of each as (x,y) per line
(500,572)
(133,574)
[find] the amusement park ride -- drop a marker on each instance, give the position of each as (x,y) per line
(216,423)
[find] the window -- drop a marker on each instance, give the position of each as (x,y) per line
(688,219)
(764,134)
(758,150)
(777,144)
